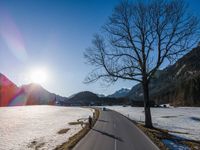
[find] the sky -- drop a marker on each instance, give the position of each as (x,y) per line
(52,36)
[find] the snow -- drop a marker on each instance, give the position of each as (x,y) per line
(179,71)
(28,127)
(175,146)
(180,119)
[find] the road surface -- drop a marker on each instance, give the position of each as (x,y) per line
(113,131)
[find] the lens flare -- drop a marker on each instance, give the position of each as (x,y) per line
(12,36)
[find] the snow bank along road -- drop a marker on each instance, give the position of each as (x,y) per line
(113,131)
(37,127)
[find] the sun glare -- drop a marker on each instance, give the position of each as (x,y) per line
(38,75)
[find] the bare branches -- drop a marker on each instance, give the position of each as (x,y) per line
(139,37)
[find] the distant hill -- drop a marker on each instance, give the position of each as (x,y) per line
(120,93)
(178,84)
(87,98)
(83,98)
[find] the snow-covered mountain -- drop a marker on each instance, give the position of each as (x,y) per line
(120,93)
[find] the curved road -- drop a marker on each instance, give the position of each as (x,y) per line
(113,131)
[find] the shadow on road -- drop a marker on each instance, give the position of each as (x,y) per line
(109,135)
(100,120)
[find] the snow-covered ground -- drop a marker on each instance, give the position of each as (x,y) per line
(181,119)
(28,127)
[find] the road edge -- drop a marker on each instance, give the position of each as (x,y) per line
(140,130)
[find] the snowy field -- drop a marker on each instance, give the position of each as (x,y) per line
(32,127)
(185,120)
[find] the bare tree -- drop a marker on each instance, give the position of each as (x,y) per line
(137,39)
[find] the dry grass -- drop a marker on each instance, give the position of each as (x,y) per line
(78,136)
(154,135)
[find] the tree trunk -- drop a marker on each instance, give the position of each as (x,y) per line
(148,121)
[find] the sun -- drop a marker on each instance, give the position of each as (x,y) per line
(38,75)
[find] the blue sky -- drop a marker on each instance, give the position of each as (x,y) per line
(53,35)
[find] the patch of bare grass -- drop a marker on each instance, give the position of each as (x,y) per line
(76,123)
(63,131)
(154,135)
(36,145)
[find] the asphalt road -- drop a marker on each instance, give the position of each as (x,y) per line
(113,131)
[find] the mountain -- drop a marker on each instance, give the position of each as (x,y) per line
(35,94)
(31,94)
(177,84)
(120,93)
